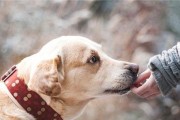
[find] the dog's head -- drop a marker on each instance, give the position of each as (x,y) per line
(75,67)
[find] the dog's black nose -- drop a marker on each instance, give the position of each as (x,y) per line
(134,68)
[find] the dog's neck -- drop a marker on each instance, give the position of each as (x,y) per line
(69,110)
(26,99)
(63,105)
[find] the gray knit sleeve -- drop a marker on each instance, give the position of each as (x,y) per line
(166,69)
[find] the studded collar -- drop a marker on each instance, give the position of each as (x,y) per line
(28,100)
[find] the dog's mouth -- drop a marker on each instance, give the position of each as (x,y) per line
(116,91)
(120,91)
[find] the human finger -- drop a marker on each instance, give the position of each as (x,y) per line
(139,90)
(152,96)
(142,77)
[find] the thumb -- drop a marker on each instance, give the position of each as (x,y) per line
(142,77)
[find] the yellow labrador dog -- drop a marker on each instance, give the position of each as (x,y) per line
(67,73)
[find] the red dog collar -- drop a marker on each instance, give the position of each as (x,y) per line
(30,101)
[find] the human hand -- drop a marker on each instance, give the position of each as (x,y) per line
(146,86)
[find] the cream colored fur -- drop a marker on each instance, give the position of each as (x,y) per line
(62,74)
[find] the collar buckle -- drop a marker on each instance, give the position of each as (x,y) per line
(8,73)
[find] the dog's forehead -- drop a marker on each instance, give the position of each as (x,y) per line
(80,43)
(77,49)
(83,41)
(72,43)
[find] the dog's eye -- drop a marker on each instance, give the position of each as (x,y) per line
(94,59)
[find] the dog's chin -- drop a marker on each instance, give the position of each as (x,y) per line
(116,91)
(120,91)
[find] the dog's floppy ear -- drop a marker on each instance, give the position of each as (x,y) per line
(47,76)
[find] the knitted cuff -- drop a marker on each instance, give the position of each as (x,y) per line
(156,67)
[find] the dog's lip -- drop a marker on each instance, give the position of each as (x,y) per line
(114,91)
(122,91)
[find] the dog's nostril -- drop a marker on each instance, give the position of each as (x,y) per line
(134,68)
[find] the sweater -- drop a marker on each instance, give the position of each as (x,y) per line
(165,68)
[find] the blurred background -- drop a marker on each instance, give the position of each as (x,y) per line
(130,30)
